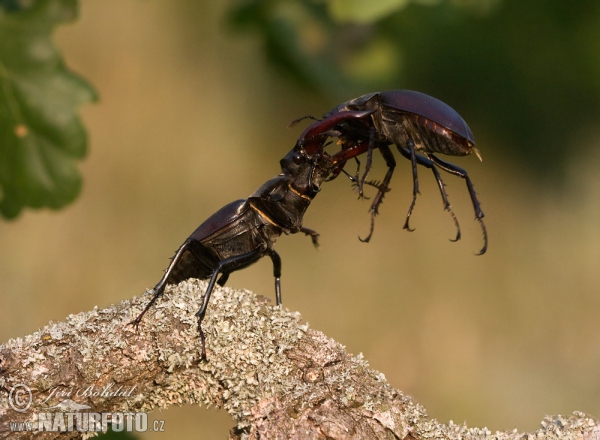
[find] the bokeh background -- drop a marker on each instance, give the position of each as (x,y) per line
(195,97)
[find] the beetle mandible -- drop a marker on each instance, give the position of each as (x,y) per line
(415,123)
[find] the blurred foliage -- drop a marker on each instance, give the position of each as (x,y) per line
(41,136)
(527,73)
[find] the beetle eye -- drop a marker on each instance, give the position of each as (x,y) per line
(297,158)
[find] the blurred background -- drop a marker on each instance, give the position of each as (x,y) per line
(195,98)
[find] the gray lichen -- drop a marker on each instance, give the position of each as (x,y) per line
(274,375)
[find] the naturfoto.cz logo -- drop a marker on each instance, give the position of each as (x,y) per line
(20,398)
(69,415)
(89,422)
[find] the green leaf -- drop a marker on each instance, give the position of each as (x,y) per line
(41,135)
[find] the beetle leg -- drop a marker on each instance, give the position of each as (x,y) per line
(314,235)
(361,184)
(383,187)
(457,171)
(355,179)
(160,287)
(224,266)
(358,182)
(276,259)
(413,160)
(223,279)
(424,161)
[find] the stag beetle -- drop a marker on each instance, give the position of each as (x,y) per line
(244,231)
(411,120)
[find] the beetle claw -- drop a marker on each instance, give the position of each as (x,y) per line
(458,234)
(485,237)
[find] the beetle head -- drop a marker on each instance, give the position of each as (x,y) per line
(306,172)
(366,103)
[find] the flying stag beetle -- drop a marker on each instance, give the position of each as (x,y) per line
(244,231)
(414,122)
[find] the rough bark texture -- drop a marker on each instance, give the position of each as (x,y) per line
(275,376)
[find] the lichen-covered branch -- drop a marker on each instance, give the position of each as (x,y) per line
(275,376)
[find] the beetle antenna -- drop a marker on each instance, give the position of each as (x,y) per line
(295,121)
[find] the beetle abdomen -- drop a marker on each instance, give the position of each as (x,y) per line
(195,262)
(420,104)
(433,138)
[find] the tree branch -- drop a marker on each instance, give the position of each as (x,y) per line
(274,375)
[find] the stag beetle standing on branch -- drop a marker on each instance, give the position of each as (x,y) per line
(244,231)
(414,122)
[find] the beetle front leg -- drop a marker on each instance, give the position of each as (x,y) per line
(314,235)
(361,183)
(383,187)
(356,179)
(457,171)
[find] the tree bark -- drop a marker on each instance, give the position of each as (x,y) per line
(273,374)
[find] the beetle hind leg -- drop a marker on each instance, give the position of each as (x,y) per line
(457,171)
(159,289)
